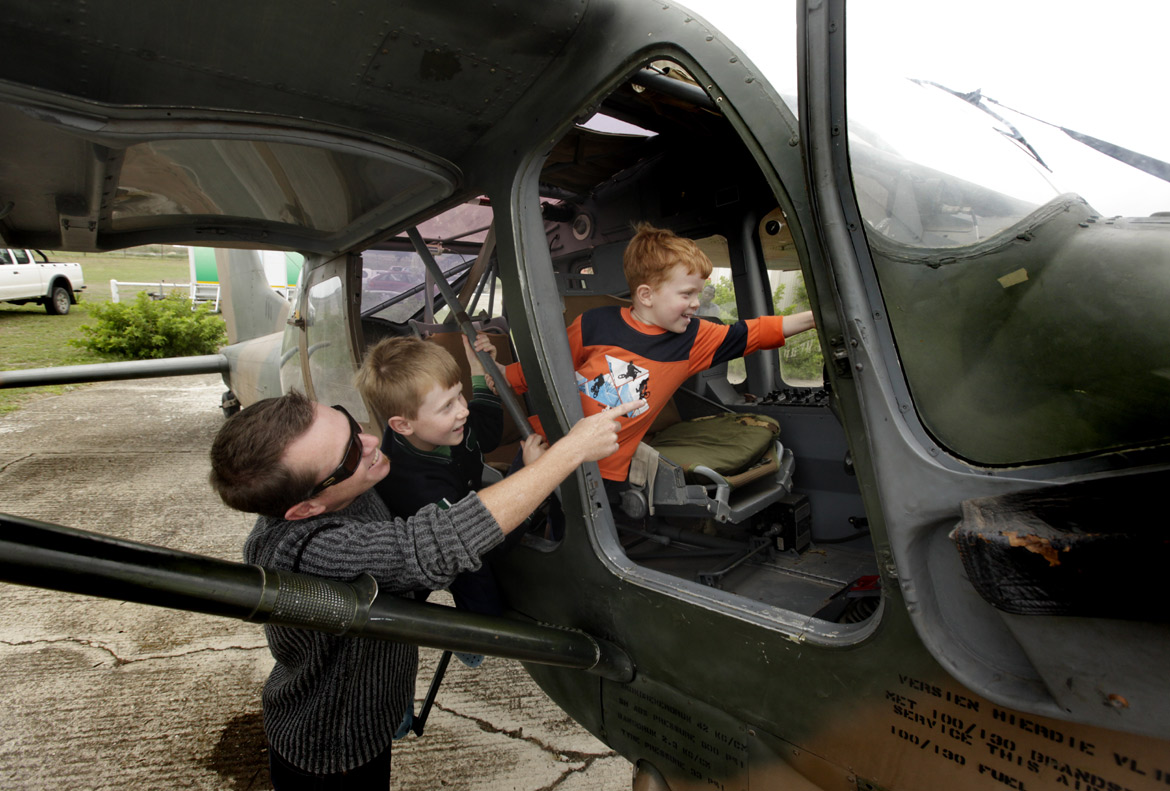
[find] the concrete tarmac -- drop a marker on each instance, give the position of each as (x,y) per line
(103,694)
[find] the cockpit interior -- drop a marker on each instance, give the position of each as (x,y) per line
(787,532)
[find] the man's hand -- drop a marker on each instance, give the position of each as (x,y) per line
(511,500)
(596,436)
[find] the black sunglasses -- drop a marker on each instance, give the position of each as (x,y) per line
(353,456)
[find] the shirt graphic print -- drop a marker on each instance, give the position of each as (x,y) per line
(625,382)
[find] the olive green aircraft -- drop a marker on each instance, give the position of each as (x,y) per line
(945,571)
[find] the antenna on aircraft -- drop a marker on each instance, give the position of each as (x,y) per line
(1144,163)
(1147,164)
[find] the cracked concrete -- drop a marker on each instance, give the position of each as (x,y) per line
(103,694)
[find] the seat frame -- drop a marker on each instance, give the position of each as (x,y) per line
(722,498)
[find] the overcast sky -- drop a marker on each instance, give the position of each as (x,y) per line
(1092,67)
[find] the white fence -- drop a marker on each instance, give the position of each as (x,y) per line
(198,292)
(204,292)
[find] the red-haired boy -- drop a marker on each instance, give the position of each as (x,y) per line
(649,349)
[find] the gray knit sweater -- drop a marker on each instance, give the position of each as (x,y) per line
(333,703)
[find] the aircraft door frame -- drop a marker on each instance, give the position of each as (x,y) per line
(328,334)
(767,129)
(1063,668)
(913,508)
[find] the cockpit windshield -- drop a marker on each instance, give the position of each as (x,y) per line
(931,170)
(998,238)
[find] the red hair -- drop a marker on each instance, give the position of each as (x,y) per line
(653,252)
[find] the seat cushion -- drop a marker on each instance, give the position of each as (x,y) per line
(728,443)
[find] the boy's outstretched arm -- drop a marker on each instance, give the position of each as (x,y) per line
(798,323)
(511,500)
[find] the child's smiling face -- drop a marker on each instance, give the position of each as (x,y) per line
(440,419)
(673,303)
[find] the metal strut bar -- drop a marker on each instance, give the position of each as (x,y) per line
(108,372)
(506,395)
(420,722)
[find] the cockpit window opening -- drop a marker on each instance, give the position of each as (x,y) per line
(394,277)
(717,302)
(801,360)
(393,282)
(158,180)
(481,305)
(932,171)
(467,222)
(695,176)
(600,122)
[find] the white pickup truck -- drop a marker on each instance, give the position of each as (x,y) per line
(29,276)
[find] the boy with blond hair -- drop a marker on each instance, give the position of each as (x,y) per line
(647,350)
(436,438)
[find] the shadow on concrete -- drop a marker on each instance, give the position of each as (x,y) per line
(240,756)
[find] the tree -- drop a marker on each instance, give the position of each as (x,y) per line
(778,295)
(801,360)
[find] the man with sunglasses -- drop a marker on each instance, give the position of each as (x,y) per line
(332,704)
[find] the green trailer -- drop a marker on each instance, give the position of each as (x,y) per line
(282,268)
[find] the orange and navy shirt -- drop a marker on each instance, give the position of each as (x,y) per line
(618,359)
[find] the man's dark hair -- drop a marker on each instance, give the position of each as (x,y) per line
(246,467)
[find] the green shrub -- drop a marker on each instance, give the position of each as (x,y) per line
(153,328)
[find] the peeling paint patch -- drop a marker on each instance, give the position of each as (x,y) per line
(1117,701)
(1041,546)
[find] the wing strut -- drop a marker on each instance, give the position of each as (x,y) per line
(66,559)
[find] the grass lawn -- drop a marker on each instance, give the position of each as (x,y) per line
(31,338)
